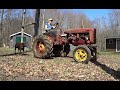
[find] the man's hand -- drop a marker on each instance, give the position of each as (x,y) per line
(53,26)
(56,23)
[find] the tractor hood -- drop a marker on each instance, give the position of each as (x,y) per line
(79,30)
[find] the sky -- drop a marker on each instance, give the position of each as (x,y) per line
(93,13)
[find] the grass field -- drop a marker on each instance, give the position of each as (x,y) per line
(26,67)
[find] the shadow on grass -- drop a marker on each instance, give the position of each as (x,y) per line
(112,72)
(11,54)
(8,54)
(54,57)
(69,57)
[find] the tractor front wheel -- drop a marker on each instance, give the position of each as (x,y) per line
(82,54)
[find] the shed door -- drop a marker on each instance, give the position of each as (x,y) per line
(18,39)
(118,45)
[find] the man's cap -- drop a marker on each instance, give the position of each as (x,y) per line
(50,19)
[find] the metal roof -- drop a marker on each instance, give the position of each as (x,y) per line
(115,37)
(19,33)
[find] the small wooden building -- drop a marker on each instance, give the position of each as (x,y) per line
(113,44)
(16,37)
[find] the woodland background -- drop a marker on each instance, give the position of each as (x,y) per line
(11,21)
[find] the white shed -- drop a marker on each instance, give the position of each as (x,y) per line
(16,37)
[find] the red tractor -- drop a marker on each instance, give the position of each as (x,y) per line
(58,44)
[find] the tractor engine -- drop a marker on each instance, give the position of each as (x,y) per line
(81,36)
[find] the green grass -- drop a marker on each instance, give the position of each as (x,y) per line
(4,50)
(109,53)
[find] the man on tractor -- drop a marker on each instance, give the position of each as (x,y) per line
(49,25)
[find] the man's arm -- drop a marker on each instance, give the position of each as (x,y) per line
(46,28)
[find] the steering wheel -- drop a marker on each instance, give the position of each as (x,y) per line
(56,25)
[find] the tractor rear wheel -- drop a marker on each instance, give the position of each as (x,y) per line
(42,47)
(82,54)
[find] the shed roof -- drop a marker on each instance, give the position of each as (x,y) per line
(114,37)
(19,33)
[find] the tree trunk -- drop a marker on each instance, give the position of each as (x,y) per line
(36,26)
(1,44)
(82,23)
(43,23)
(23,23)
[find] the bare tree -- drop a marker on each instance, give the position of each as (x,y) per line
(43,16)
(11,23)
(36,27)
(2,13)
(114,21)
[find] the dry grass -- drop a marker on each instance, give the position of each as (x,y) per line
(26,67)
